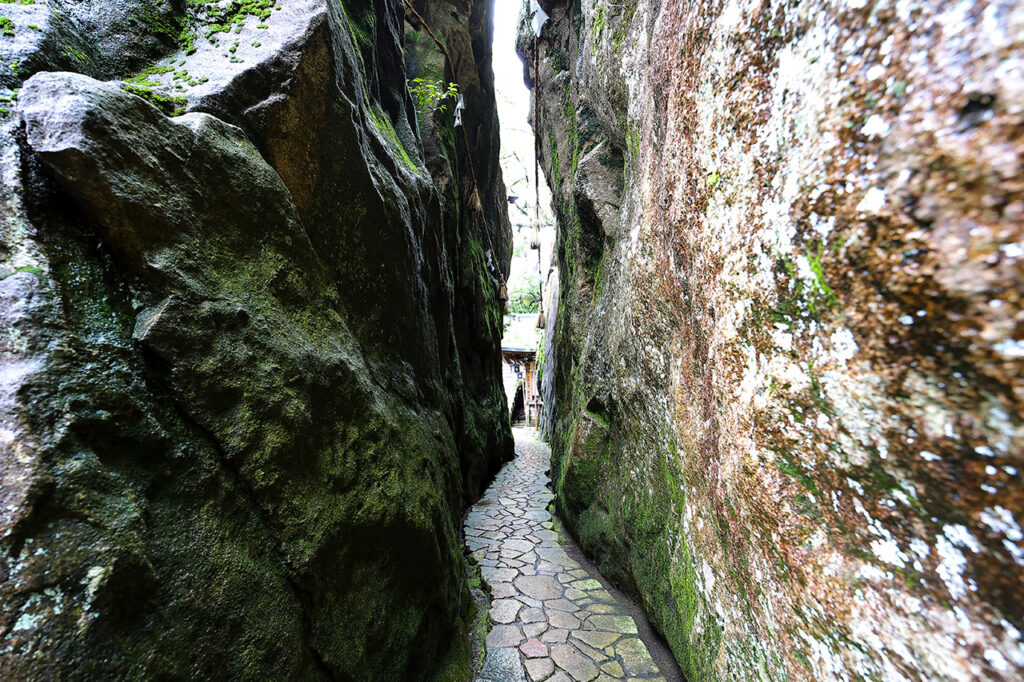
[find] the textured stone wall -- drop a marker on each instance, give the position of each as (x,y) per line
(787,359)
(249,342)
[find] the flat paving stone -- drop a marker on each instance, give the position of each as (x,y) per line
(498,575)
(539,586)
(613,668)
(521,546)
(504,635)
(539,668)
(635,658)
(503,590)
(534,629)
(534,648)
(590,652)
(553,622)
(598,640)
(555,636)
(532,615)
(561,605)
(505,610)
(579,667)
(600,608)
(562,619)
(502,665)
(623,624)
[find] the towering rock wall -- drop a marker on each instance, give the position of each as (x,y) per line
(788,354)
(249,341)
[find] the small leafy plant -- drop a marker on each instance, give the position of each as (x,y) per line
(431,95)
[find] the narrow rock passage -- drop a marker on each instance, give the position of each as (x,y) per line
(550,619)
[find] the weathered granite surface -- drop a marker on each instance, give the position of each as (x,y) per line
(249,344)
(788,351)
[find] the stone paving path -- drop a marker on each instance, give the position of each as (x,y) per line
(549,619)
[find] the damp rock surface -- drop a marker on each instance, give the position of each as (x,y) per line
(784,376)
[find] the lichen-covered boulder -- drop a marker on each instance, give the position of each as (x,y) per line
(787,392)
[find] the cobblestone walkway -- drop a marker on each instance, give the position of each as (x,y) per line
(550,620)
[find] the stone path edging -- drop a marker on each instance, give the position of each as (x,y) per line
(550,620)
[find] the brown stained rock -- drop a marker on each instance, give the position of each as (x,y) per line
(533,648)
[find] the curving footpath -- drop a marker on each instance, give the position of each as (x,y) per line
(550,619)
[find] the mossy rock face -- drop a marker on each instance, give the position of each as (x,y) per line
(809,466)
(585,466)
(101,38)
(251,365)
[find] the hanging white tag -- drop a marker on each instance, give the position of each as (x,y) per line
(540,17)
(458,111)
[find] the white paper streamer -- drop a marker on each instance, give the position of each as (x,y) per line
(540,17)
(458,111)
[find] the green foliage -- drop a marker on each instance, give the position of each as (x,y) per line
(6,26)
(430,95)
(525,300)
